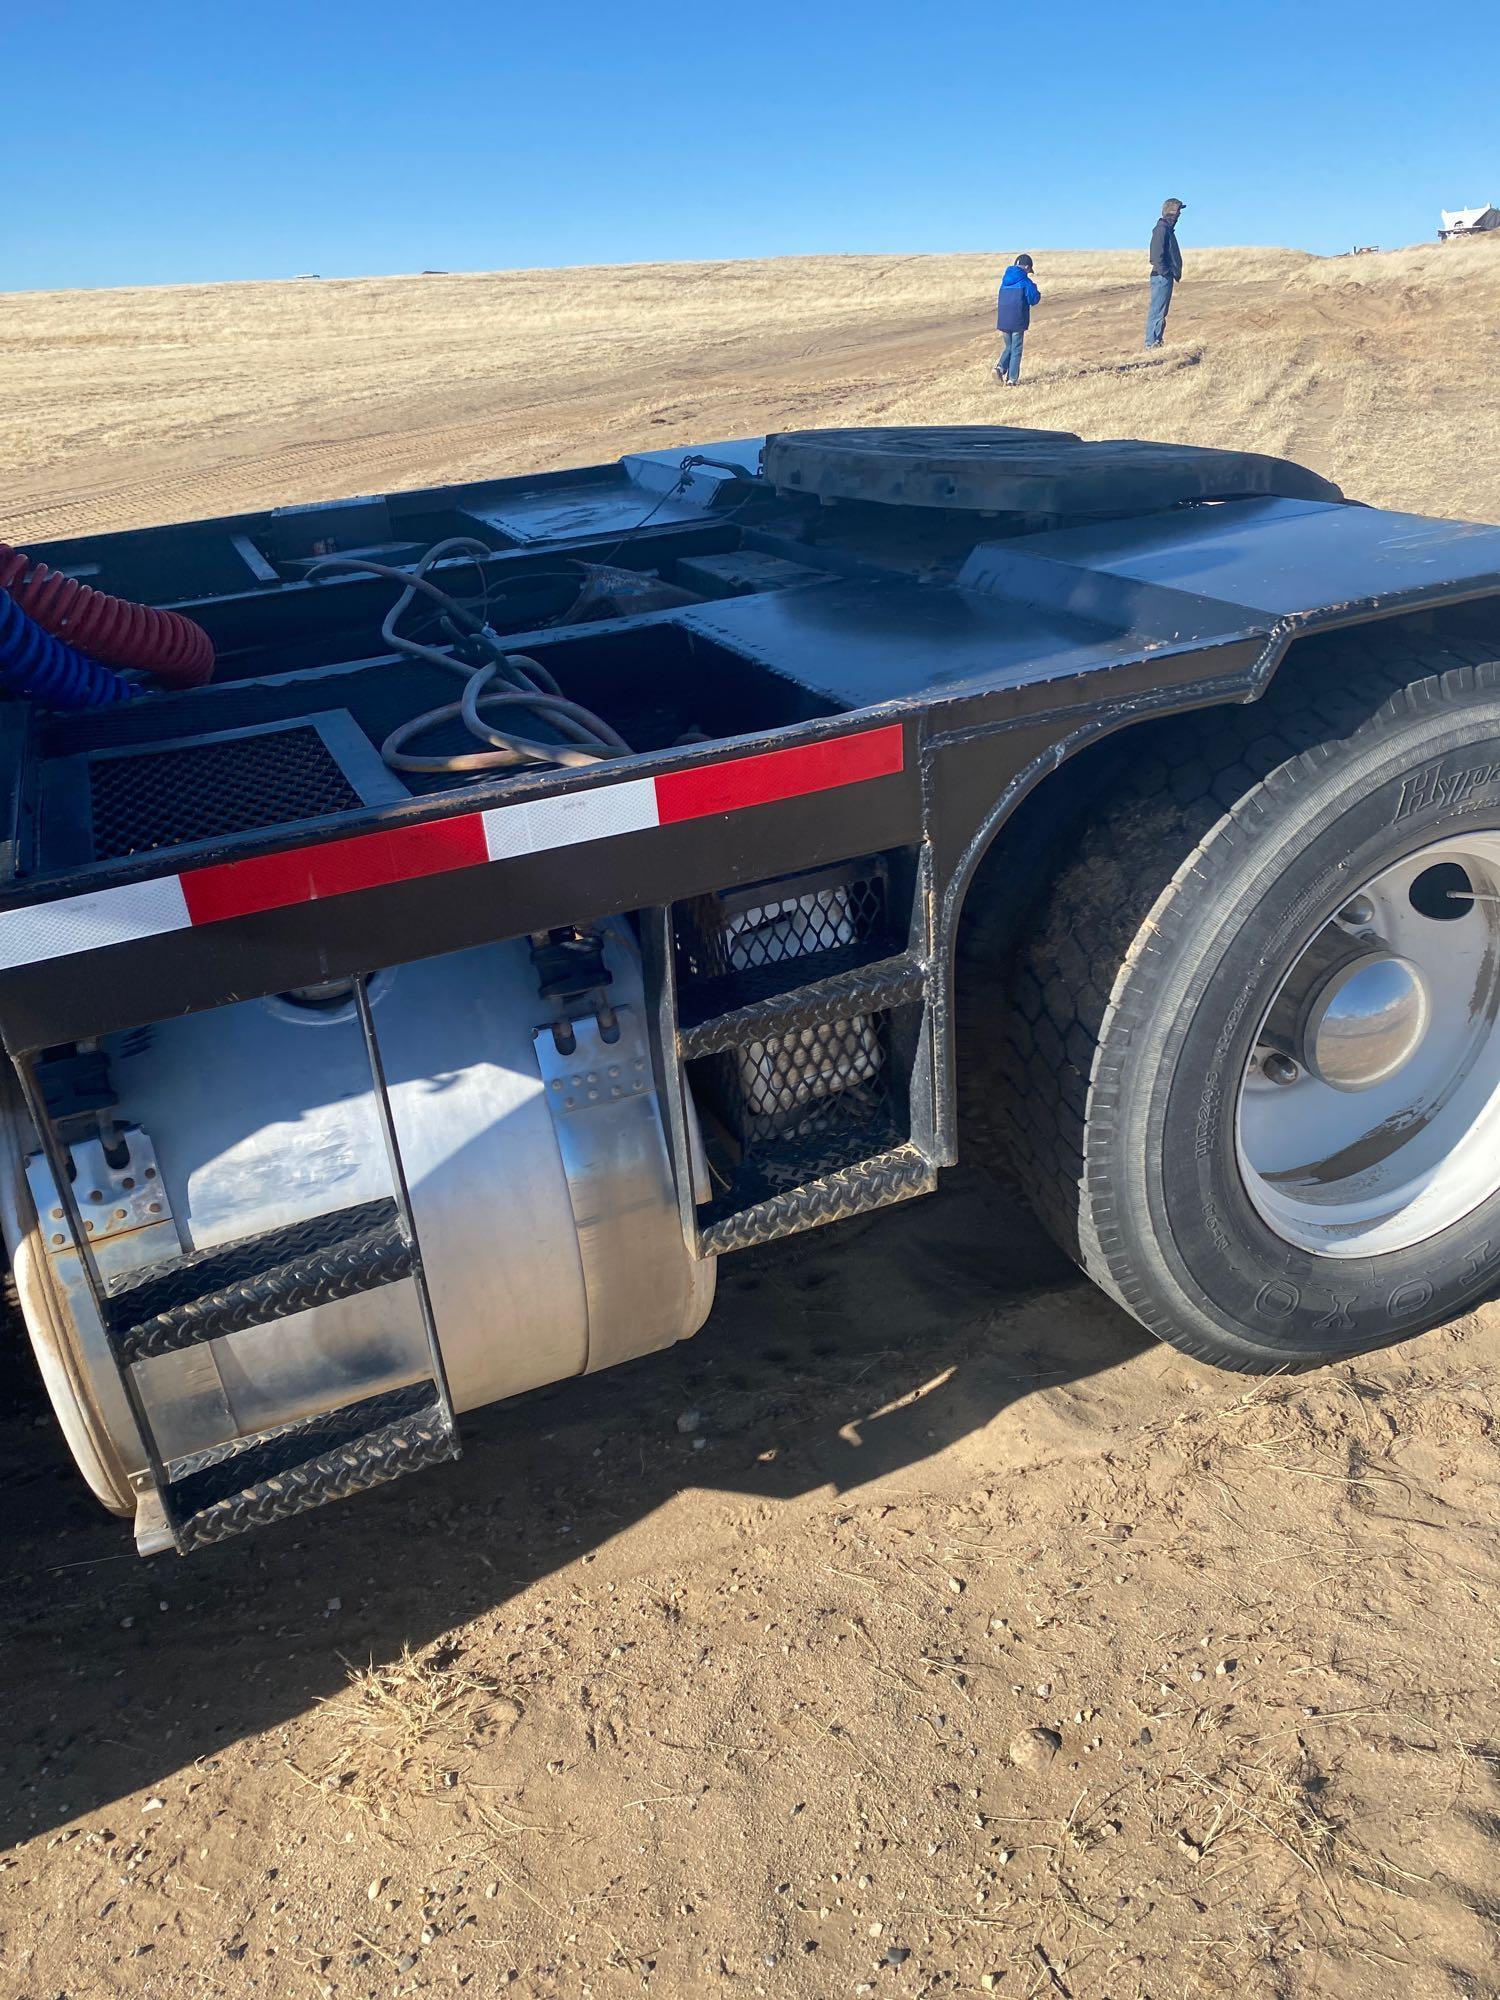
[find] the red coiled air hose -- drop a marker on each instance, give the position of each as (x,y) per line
(163,643)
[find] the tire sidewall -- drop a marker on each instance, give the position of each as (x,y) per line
(1185,1021)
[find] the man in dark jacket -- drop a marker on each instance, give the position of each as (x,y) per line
(1166,270)
(1018,294)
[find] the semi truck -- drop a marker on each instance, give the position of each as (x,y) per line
(435,927)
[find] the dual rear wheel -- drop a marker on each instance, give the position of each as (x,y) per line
(1248,1067)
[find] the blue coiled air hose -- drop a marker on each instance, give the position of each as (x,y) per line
(44,669)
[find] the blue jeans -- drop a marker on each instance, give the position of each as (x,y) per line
(1156,317)
(1008,367)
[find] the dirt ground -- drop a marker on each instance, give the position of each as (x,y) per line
(919,1629)
(612,1708)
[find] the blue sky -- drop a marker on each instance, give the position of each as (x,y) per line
(154,143)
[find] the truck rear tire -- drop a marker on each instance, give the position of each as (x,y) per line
(1248,1069)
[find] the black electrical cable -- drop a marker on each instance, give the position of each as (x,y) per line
(526,684)
(691,460)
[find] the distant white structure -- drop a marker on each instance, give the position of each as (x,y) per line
(1468,222)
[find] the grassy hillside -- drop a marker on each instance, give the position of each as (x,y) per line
(134,406)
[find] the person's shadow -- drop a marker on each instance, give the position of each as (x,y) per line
(830,1360)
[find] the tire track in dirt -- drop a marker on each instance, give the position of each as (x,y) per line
(424,441)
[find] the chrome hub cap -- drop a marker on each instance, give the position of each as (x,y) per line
(1369,1116)
(1367,1022)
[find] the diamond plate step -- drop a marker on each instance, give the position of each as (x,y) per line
(863,989)
(896,1175)
(210,1293)
(254,1481)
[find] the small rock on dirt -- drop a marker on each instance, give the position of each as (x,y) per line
(1034,1749)
(689,1421)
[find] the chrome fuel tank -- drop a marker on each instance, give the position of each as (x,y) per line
(540,1189)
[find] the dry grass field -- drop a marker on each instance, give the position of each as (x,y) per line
(751,1707)
(129,407)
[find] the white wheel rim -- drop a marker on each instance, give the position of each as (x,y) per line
(1368,1119)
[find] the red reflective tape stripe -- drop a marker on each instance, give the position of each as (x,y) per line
(780,774)
(305,874)
(374,860)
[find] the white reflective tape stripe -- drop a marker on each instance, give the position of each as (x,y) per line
(547,823)
(137,910)
(87,923)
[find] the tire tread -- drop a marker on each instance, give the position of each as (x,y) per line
(1041,1094)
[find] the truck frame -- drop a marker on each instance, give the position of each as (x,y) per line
(1131,805)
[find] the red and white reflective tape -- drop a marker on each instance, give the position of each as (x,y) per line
(137,910)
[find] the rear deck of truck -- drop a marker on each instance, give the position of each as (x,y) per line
(836,664)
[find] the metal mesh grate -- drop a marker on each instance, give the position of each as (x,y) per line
(778,1093)
(817,1131)
(198,791)
(851,1128)
(748,930)
(784,1078)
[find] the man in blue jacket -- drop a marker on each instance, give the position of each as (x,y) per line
(1166,270)
(1018,294)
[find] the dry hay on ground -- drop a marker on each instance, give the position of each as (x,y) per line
(129,407)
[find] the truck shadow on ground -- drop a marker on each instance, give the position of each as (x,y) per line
(831,1360)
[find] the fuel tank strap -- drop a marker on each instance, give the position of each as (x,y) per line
(601,1097)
